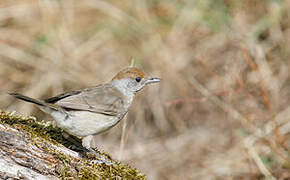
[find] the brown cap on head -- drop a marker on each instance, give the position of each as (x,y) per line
(130,72)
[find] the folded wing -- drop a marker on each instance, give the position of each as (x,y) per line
(104,99)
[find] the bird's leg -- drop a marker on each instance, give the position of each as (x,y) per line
(86,142)
(75,144)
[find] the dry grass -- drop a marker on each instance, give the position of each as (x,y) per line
(222,109)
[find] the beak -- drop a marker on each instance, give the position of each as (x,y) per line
(152,80)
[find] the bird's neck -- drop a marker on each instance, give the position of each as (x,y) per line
(127,93)
(121,86)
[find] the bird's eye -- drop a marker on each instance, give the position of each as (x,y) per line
(138,79)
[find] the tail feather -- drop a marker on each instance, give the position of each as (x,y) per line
(46,107)
(27,99)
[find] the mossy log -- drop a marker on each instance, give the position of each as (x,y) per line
(36,150)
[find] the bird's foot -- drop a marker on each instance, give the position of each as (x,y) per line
(101,159)
(76,148)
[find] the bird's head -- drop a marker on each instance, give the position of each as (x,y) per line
(132,80)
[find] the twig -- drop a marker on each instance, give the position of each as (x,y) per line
(232,112)
(255,156)
(258,133)
(123,138)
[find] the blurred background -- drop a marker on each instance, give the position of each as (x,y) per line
(222,110)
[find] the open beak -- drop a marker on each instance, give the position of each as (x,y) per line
(152,80)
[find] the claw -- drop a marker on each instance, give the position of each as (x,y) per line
(103,161)
(100,157)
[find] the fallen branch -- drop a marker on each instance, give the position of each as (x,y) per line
(34,150)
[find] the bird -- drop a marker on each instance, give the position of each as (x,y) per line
(87,112)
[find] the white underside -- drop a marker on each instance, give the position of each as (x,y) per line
(84,123)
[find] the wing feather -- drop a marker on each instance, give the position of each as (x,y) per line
(104,99)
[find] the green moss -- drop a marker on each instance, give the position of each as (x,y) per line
(67,167)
